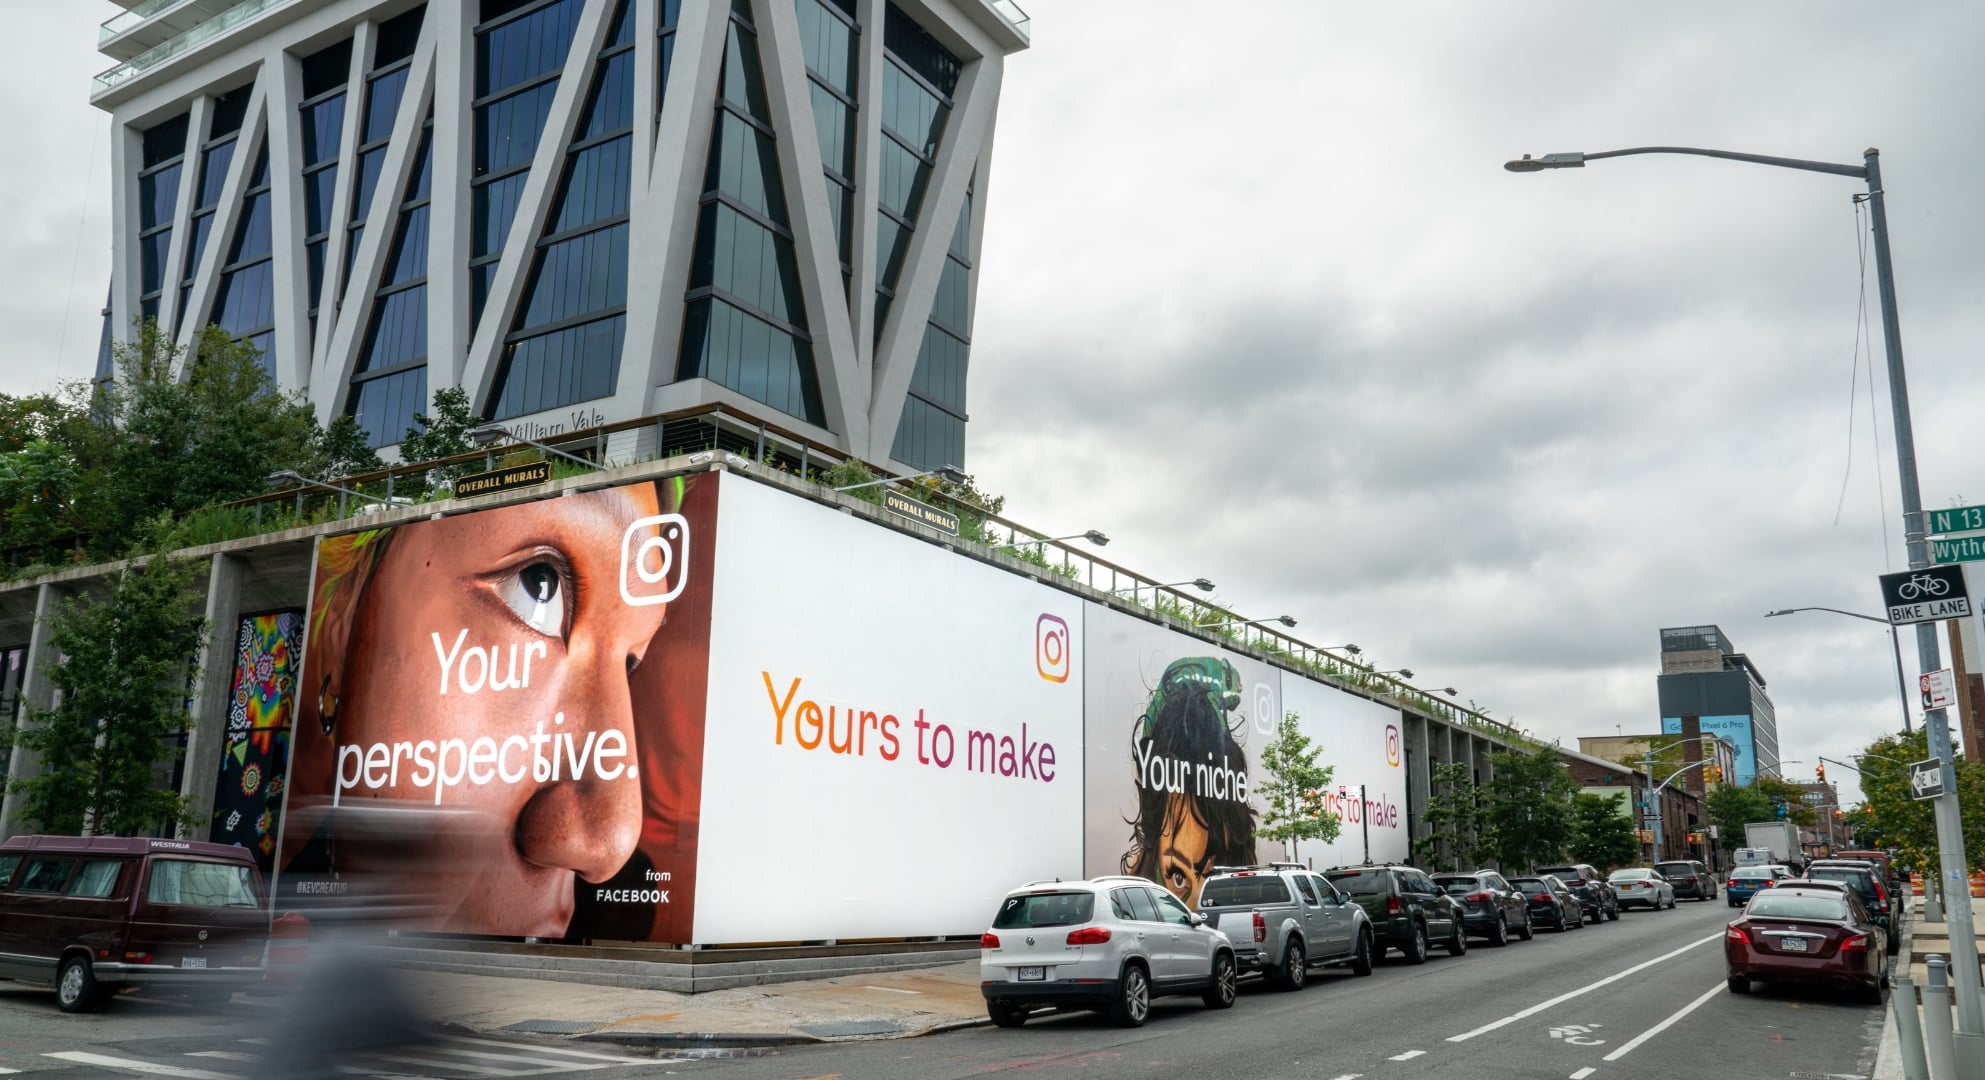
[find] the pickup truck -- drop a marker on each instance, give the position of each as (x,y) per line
(1284,919)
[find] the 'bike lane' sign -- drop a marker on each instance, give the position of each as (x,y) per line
(1927,595)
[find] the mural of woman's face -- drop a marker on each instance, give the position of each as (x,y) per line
(1182,851)
(500,644)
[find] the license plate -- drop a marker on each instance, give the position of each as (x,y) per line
(1033,974)
(192,961)
(1793,944)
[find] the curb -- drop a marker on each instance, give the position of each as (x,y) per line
(675,1040)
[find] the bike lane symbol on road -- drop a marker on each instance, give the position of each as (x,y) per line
(1578,1034)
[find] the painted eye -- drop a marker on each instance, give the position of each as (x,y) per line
(533,592)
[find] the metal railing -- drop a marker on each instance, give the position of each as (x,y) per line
(192,38)
(125,21)
(1011,12)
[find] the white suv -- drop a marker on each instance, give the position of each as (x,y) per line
(1109,943)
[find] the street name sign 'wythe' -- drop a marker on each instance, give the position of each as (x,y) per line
(1927,595)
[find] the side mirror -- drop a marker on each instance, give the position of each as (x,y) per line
(1196,918)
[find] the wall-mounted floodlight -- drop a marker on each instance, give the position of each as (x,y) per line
(1352,649)
(1406,671)
(1093,536)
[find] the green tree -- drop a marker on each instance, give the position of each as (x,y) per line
(441,434)
(1294,787)
(1526,808)
(120,676)
(343,450)
(1602,833)
(1453,820)
(1892,816)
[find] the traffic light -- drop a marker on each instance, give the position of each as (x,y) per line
(1821,770)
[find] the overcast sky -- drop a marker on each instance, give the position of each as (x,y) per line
(1258,300)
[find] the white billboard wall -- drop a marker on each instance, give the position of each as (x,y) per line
(894,733)
(1362,742)
(1174,730)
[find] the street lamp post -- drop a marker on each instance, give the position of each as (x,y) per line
(1950,829)
(1895,645)
(1654,791)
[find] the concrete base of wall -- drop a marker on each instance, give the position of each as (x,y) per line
(683,971)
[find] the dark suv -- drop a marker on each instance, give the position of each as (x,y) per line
(1408,911)
(1490,907)
(1591,888)
(1690,878)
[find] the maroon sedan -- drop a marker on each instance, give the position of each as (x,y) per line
(1813,935)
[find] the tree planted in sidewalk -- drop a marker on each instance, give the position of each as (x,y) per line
(1893,815)
(1294,788)
(1526,808)
(1603,832)
(119,673)
(1453,820)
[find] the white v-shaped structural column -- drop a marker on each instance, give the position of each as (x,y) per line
(227,215)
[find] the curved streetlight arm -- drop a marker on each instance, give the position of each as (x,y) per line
(1659,788)
(1577,160)
(1835,610)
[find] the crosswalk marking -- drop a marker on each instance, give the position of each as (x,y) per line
(84,1058)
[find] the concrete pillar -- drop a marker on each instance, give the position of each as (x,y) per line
(213,684)
(1419,776)
(36,693)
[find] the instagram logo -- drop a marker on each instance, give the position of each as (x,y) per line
(1266,715)
(1392,745)
(1051,648)
(648,559)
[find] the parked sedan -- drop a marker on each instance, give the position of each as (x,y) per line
(1747,881)
(1490,907)
(1550,903)
(1795,934)
(1638,885)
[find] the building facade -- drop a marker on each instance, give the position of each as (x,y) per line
(1682,832)
(1704,679)
(577,211)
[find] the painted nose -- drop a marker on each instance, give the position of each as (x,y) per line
(589,826)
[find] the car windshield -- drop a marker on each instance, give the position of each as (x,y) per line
(1359,884)
(1754,873)
(1045,909)
(1791,905)
(1629,875)
(1243,891)
(1675,870)
(1530,884)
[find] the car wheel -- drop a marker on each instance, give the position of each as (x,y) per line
(1500,936)
(1458,944)
(1133,1004)
(1872,992)
(1295,967)
(1415,950)
(1613,913)
(1733,901)
(1220,993)
(1740,984)
(1528,930)
(1361,961)
(1006,1016)
(76,988)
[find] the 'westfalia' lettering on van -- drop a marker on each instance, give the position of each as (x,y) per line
(175,845)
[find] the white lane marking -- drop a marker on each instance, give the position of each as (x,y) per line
(225,1055)
(893,990)
(1347,1076)
(543,1064)
(1587,988)
(437,1063)
(543,1049)
(4,1071)
(1664,1025)
(1583,1073)
(83,1058)
(1407,1056)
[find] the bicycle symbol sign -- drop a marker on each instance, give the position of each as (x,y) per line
(1927,595)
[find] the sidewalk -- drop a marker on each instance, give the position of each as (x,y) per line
(889,1005)
(1919,939)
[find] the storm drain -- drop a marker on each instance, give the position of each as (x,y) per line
(552,1027)
(844,1028)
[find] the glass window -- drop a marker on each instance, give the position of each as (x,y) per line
(745,166)
(833,125)
(726,345)
(829,45)
(903,177)
(1786,905)
(1309,891)
(912,46)
(1243,891)
(97,879)
(398,334)
(397,37)
(385,407)
(927,436)
(246,300)
(323,127)
(595,186)
(1170,910)
(199,884)
(213,173)
(319,188)
(327,68)
(408,259)
(743,83)
(578,363)
(1141,907)
(526,47)
(1045,909)
(507,131)
(574,277)
(611,107)
(251,240)
(8,863)
(493,208)
(382,105)
(165,141)
(158,193)
(45,874)
(748,261)
(1324,890)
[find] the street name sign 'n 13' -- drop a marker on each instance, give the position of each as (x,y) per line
(1957,519)
(1928,595)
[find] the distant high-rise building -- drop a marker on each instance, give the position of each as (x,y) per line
(577,211)
(1704,676)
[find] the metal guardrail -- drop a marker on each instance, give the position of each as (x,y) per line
(1011,12)
(125,21)
(192,38)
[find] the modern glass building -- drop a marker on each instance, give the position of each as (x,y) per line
(577,211)
(1704,676)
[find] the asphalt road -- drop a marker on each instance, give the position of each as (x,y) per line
(1641,997)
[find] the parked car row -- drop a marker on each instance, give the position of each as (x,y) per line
(1114,943)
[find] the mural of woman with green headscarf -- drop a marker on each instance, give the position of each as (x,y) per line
(1192,808)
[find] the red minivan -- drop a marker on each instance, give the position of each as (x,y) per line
(93,915)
